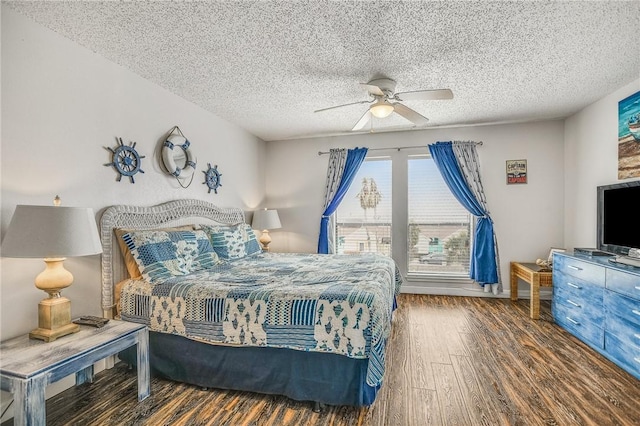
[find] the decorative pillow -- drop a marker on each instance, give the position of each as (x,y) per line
(164,254)
(129,261)
(233,242)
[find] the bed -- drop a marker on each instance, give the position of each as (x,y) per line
(226,315)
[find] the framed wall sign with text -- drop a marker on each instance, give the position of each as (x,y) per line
(516,171)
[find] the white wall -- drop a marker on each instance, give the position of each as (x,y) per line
(61,105)
(590,160)
(528,218)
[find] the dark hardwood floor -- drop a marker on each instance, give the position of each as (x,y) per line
(451,361)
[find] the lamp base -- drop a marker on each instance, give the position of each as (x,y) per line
(54,319)
(265,239)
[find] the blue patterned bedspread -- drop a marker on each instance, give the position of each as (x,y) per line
(327,303)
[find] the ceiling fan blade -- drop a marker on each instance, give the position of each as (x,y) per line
(344,105)
(425,95)
(374,90)
(410,114)
(362,122)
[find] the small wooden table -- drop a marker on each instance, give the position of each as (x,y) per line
(536,276)
(27,366)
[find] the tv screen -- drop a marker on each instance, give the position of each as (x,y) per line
(618,225)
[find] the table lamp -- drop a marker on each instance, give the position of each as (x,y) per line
(265,220)
(52,233)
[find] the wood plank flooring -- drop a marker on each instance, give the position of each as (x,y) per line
(451,361)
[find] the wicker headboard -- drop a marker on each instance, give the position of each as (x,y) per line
(172,213)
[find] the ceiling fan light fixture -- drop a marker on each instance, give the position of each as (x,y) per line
(381,109)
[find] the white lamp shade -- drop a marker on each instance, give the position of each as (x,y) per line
(51,232)
(266,219)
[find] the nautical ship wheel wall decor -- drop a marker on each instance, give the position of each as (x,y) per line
(125,159)
(212,178)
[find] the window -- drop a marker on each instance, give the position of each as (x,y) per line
(439,228)
(363,219)
(436,228)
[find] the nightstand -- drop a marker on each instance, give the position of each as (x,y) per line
(27,366)
(537,277)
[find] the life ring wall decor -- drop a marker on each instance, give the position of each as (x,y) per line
(177,156)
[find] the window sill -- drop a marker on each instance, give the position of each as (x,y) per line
(438,278)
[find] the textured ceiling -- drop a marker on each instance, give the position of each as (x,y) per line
(267,65)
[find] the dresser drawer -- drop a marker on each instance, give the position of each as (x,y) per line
(581,304)
(624,331)
(623,307)
(624,354)
(624,283)
(594,274)
(580,327)
(578,287)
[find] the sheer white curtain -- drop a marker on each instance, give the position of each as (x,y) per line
(467,157)
(335,169)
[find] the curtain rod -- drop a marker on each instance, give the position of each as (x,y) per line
(396,147)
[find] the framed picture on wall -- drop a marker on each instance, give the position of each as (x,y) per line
(516,171)
(629,137)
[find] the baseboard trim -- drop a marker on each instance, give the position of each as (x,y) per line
(469,292)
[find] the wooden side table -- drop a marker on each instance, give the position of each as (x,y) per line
(27,366)
(537,277)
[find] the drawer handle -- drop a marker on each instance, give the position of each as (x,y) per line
(636,359)
(636,335)
(573,285)
(635,311)
(638,287)
(573,303)
(575,268)
(571,320)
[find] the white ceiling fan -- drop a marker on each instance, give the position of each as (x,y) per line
(386,101)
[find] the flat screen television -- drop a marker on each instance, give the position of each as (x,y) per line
(618,219)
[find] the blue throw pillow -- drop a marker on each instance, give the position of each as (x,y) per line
(164,254)
(233,242)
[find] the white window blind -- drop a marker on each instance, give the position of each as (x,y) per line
(439,228)
(437,231)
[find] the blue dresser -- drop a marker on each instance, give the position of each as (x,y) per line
(599,302)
